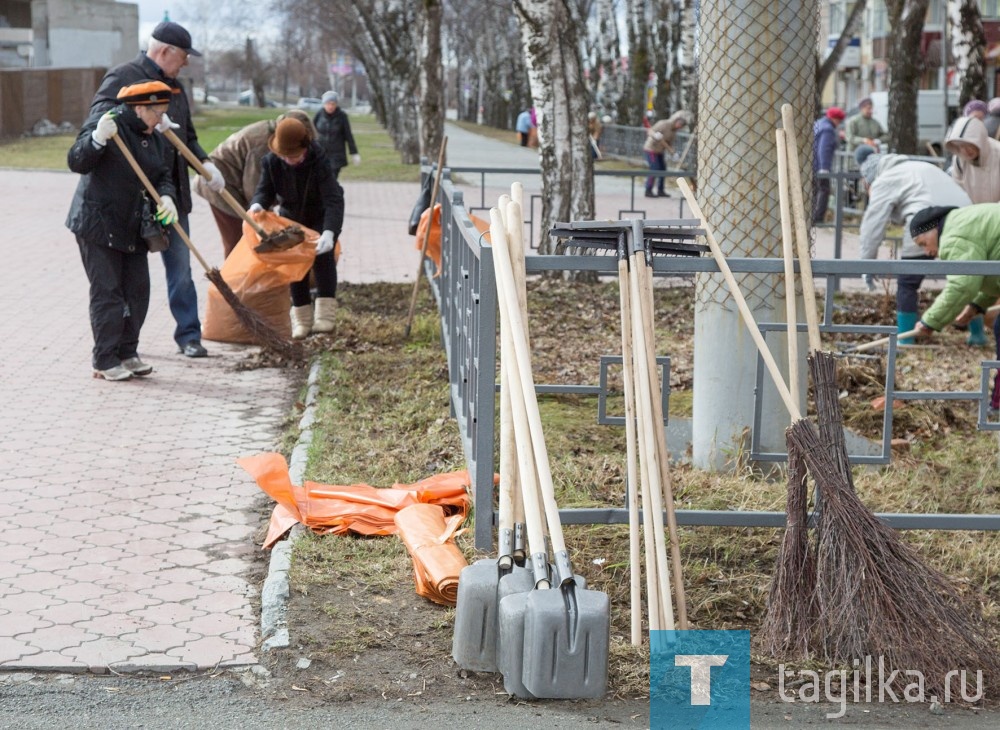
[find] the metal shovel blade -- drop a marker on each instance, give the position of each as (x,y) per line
(474,644)
(281,240)
(566,642)
(510,651)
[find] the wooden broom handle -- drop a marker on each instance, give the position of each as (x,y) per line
(788,255)
(127,154)
(741,303)
(192,158)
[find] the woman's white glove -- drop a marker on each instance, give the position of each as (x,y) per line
(216,182)
(166,123)
(256,209)
(356,158)
(657,136)
(166,211)
(325,244)
(105,129)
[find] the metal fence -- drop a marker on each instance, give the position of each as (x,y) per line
(466,298)
(626,142)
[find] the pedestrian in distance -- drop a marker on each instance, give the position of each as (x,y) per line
(826,138)
(297,176)
(523,127)
(238,158)
(107,216)
(898,188)
(166,54)
(961,234)
(594,129)
(863,128)
(976,167)
(333,130)
(659,141)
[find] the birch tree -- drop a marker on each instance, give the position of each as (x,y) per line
(431,119)
(549,37)
(906,65)
(968,46)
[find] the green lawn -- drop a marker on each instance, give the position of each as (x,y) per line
(379,158)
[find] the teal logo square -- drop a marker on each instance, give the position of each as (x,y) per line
(699,680)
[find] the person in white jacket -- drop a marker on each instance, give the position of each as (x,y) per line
(976,167)
(898,187)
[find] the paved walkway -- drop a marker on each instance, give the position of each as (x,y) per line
(129,530)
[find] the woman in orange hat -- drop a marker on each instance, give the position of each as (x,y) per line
(107,216)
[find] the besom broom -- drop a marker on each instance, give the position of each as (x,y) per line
(259,330)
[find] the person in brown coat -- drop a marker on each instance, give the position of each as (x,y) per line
(238,159)
(660,140)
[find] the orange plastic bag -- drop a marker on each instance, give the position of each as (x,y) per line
(358,508)
(434,234)
(430,539)
(260,281)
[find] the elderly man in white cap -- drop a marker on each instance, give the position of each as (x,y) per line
(167,53)
(898,187)
(333,131)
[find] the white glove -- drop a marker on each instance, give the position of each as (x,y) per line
(166,211)
(356,158)
(657,136)
(166,123)
(256,209)
(105,129)
(217,182)
(325,244)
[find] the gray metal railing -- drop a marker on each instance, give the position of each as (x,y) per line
(626,142)
(465,293)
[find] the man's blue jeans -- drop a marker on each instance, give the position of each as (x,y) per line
(656,161)
(181,294)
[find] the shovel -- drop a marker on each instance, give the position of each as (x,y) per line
(564,629)
(281,240)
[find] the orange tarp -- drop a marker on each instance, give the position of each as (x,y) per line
(359,508)
(430,538)
(434,236)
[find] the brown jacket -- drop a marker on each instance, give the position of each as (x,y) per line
(238,159)
(666,128)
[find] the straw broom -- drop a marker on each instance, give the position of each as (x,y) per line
(259,330)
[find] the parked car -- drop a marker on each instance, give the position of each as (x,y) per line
(310,103)
(248,98)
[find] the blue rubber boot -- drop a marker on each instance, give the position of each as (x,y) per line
(977,335)
(906,321)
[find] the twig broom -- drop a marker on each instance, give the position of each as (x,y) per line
(258,329)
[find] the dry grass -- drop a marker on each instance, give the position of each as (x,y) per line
(383,416)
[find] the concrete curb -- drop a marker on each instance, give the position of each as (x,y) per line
(274,595)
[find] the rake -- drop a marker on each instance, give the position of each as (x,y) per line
(260,330)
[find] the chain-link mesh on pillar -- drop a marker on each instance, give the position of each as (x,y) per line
(754,56)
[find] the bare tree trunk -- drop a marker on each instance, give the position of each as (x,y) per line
(555,72)
(968,45)
(906,64)
(431,79)
(755,56)
(611,79)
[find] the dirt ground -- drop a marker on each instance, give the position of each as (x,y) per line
(359,642)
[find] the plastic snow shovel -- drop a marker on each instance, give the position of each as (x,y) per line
(277,241)
(564,630)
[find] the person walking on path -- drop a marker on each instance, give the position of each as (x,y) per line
(296,175)
(863,128)
(334,133)
(826,138)
(238,159)
(106,215)
(167,53)
(898,188)
(976,167)
(659,141)
(523,127)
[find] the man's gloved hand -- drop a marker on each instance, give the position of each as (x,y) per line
(256,209)
(217,182)
(356,158)
(870,281)
(166,123)
(657,136)
(105,129)
(325,244)
(166,211)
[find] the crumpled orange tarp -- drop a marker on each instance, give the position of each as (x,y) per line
(434,236)
(430,538)
(359,508)
(260,281)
